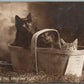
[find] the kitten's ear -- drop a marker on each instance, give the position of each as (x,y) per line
(17,18)
(75,41)
(29,18)
(17,21)
(62,41)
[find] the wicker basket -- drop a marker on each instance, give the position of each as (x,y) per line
(49,60)
(22,60)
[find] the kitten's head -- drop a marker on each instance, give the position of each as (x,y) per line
(69,46)
(48,38)
(23,23)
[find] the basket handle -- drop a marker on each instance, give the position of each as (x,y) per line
(34,43)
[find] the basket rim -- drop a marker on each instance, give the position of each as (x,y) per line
(17,47)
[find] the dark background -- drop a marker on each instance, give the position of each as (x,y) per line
(67,17)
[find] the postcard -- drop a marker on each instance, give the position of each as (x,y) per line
(41,42)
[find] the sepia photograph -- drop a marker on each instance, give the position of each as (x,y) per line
(41,42)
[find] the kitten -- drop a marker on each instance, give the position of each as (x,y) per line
(23,34)
(69,46)
(48,40)
(44,40)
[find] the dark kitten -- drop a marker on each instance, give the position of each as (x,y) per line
(23,34)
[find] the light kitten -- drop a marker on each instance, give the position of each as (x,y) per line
(69,46)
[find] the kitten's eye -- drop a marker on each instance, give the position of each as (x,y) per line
(24,25)
(29,24)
